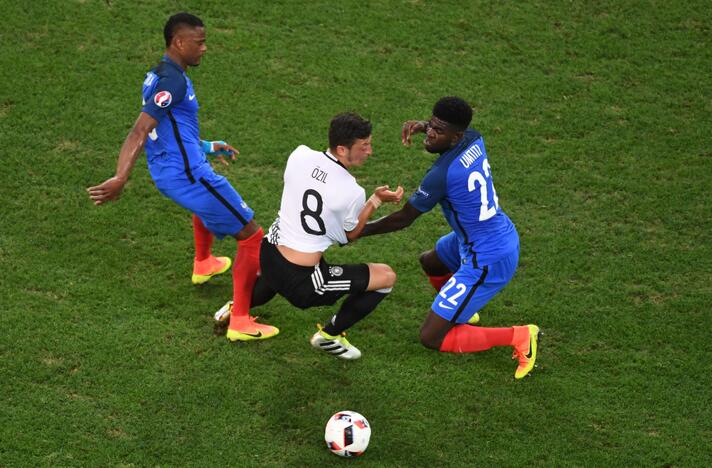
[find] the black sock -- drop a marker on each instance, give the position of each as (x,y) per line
(353,309)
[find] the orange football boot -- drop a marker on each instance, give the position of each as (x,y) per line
(526,339)
(245,327)
(203,270)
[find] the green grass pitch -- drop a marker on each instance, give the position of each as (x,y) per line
(596,117)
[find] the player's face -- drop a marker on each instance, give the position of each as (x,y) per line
(359,151)
(440,136)
(192,44)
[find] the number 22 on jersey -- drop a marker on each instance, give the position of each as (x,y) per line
(481,179)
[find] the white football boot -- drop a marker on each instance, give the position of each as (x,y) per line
(336,345)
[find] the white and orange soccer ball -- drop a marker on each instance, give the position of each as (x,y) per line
(347,434)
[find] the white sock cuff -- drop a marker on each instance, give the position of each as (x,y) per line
(384,290)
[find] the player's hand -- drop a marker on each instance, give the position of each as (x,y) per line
(410,127)
(108,190)
(391,196)
(222,149)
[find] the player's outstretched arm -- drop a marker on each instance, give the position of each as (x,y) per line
(111,188)
(410,127)
(380,195)
(393,222)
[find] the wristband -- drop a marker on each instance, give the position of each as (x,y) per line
(209,148)
(375,201)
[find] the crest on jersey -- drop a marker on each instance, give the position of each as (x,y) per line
(336,271)
(163,99)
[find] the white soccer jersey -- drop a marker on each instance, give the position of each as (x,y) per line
(320,202)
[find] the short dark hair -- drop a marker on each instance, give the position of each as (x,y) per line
(453,110)
(177,21)
(346,128)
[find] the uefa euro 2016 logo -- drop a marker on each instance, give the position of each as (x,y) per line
(162,99)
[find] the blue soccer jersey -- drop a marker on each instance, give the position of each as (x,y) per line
(175,156)
(461,181)
(173,149)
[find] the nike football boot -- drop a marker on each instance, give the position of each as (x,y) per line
(244,328)
(526,339)
(205,269)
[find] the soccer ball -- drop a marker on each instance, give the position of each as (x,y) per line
(347,434)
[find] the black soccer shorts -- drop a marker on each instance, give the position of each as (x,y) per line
(305,287)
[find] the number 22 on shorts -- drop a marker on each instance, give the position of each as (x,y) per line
(451,301)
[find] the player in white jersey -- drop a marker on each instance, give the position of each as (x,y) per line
(322,204)
(305,223)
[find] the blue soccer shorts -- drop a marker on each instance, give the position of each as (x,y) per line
(470,287)
(448,250)
(217,204)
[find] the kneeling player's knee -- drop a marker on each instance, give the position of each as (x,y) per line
(423,259)
(431,264)
(429,340)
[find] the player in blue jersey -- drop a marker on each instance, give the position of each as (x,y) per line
(478,258)
(168,128)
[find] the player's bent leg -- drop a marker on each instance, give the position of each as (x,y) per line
(357,305)
(468,339)
(434,330)
(435,270)
(355,308)
(432,265)
(381,276)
